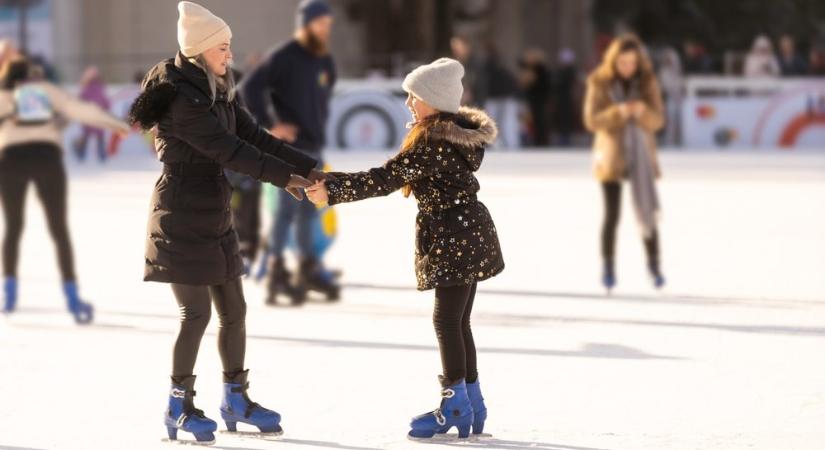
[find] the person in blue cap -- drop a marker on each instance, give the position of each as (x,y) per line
(296,78)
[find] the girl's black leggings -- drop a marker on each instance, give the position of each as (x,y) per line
(451,318)
(195,303)
(40,163)
(612,191)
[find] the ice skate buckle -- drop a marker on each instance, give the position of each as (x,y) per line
(177,393)
(447,393)
(439,417)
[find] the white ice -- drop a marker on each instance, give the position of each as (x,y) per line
(730,356)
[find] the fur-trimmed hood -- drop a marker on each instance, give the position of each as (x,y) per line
(161,85)
(470,131)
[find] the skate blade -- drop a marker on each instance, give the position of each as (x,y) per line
(188,442)
(481,437)
(265,435)
(443,438)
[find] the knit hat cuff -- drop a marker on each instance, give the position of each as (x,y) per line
(422,91)
(220,36)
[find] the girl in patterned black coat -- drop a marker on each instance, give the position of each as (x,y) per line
(456,241)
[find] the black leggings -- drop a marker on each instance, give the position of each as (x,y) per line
(42,164)
(612,191)
(451,318)
(195,310)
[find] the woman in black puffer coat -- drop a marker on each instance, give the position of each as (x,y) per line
(456,240)
(200,130)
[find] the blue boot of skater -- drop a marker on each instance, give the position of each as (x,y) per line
(182,415)
(608,276)
(237,407)
(455,411)
(9,294)
(656,274)
(479,408)
(83,312)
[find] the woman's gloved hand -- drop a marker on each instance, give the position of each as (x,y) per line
(319,175)
(296,184)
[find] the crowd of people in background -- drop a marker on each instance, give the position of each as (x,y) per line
(536,100)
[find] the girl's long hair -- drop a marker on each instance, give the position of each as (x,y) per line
(419,135)
(225,82)
(606,71)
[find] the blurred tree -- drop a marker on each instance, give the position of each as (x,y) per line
(23,7)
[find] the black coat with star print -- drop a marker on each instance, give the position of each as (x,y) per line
(456,239)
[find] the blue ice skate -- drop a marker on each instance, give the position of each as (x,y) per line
(237,407)
(83,312)
(182,415)
(455,411)
(9,294)
(479,408)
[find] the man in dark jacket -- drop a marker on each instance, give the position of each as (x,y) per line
(296,79)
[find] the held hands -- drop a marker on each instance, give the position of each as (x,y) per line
(318,175)
(317,193)
(295,184)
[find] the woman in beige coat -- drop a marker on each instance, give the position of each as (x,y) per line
(623,109)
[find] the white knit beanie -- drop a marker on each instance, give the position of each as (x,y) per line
(199,29)
(438,84)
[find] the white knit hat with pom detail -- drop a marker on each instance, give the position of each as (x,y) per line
(438,84)
(199,29)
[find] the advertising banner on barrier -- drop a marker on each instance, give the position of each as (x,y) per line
(726,112)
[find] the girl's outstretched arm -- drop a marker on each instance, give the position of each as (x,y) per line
(405,168)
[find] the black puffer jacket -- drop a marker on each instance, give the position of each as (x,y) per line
(456,239)
(190,235)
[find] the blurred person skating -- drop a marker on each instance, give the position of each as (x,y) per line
(191,244)
(246,196)
(535,80)
(92,90)
(456,240)
(502,99)
(476,83)
(673,86)
(791,62)
(31,135)
(697,61)
(297,80)
(565,80)
(623,109)
(761,60)
(816,61)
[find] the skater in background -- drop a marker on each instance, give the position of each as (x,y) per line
(31,134)
(296,79)
(565,81)
(92,90)
(502,99)
(476,81)
(535,81)
(623,109)
(456,241)
(761,60)
(191,244)
(791,62)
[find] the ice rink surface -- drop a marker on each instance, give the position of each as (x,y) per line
(730,356)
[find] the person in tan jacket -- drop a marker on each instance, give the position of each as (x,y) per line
(623,110)
(32,118)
